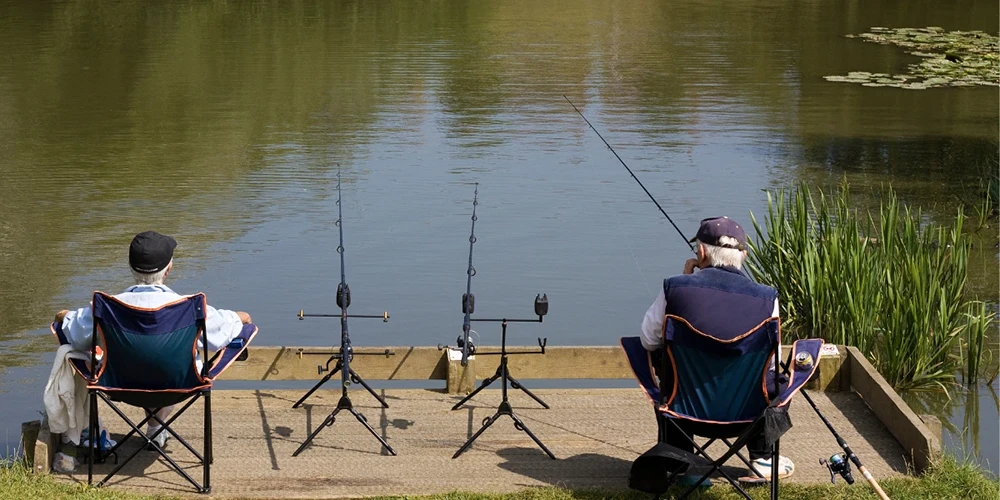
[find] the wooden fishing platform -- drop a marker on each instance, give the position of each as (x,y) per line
(594,433)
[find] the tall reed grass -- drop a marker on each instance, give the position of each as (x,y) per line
(889,282)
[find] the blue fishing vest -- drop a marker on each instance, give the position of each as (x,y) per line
(719,301)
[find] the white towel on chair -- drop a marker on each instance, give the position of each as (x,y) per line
(66,395)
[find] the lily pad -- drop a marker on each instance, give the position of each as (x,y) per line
(950,58)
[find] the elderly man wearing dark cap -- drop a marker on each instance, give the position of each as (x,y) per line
(718,286)
(150,257)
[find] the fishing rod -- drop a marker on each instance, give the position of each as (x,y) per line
(503,373)
(469,300)
(837,464)
(346,353)
(664,212)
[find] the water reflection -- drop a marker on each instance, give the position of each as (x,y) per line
(968,418)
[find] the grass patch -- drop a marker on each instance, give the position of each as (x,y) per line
(948,479)
(18,483)
(889,281)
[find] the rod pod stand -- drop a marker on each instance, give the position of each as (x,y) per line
(339,355)
(345,354)
(503,374)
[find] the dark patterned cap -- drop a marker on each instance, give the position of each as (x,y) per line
(150,252)
(713,229)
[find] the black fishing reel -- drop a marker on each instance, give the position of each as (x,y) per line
(461,343)
(838,464)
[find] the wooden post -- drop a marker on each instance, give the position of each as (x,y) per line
(461,379)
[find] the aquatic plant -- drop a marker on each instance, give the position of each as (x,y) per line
(888,282)
(949,59)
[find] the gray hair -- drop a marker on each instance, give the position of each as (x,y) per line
(723,256)
(151,278)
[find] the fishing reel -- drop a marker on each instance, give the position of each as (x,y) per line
(460,342)
(838,464)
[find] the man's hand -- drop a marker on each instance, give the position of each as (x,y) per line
(60,315)
(690,265)
(244,317)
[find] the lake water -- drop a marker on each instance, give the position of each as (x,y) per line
(223,124)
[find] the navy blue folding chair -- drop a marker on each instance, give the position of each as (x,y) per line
(720,389)
(149,358)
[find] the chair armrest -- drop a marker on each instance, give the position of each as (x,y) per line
(235,351)
(800,367)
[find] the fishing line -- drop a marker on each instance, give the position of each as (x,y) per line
(664,212)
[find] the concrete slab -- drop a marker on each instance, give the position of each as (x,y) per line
(595,433)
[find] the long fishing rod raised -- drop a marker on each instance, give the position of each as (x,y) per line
(346,353)
(503,374)
(664,212)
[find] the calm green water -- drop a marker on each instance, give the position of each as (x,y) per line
(221,123)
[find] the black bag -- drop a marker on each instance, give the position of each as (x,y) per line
(650,471)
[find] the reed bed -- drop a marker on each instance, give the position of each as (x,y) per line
(889,281)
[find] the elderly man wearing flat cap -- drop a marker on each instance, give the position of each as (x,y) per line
(151,257)
(699,297)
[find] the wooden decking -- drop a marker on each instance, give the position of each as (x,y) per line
(595,433)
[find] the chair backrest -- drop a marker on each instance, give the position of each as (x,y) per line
(149,349)
(718,379)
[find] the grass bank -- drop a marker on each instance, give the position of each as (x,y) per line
(949,479)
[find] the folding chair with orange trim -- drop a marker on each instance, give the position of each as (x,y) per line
(720,389)
(150,360)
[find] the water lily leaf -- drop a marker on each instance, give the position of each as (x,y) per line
(950,58)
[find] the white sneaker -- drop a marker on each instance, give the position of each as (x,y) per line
(763,466)
(160,439)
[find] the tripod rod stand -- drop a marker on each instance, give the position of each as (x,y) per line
(353,376)
(348,376)
(339,357)
(344,404)
(346,352)
(504,408)
(503,373)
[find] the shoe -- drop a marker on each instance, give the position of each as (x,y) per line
(104,444)
(763,466)
(160,439)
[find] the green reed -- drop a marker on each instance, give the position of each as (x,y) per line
(888,281)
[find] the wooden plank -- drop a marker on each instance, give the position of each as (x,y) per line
(29,434)
(601,362)
(45,450)
(428,363)
(300,363)
(833,374)
(902,422)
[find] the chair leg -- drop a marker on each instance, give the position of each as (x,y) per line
(93,433)
(207,446)
(774,471)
